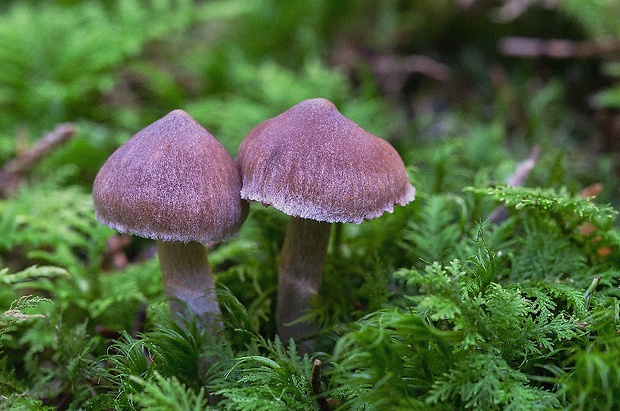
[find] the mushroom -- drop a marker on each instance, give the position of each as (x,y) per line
(318,167)
(175,183)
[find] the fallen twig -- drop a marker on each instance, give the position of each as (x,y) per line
(392,72)
(397,65)
(555,48)
(317,389)
(517,179)
(13,172)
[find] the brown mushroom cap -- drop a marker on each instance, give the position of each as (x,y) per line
(312,162)
(172,181)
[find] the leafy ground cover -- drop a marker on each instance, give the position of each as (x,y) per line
(497,288)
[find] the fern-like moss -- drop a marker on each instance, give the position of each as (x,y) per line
(168,394)
(279,380)
(463,339)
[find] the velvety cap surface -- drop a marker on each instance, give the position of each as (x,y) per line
(172,181)
(312,162)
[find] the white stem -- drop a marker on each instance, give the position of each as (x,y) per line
(301,274)
(188,282)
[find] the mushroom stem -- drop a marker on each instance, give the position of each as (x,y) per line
(188,282)
(301,273)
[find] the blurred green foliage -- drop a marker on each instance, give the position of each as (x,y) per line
(436,306)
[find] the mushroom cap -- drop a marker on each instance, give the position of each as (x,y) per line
(312,162)
(172,181)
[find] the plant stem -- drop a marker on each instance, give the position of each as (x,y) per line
(317,389)
(301,273)
(188,282)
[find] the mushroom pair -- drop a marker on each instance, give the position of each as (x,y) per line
(318,167)
(175,183)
